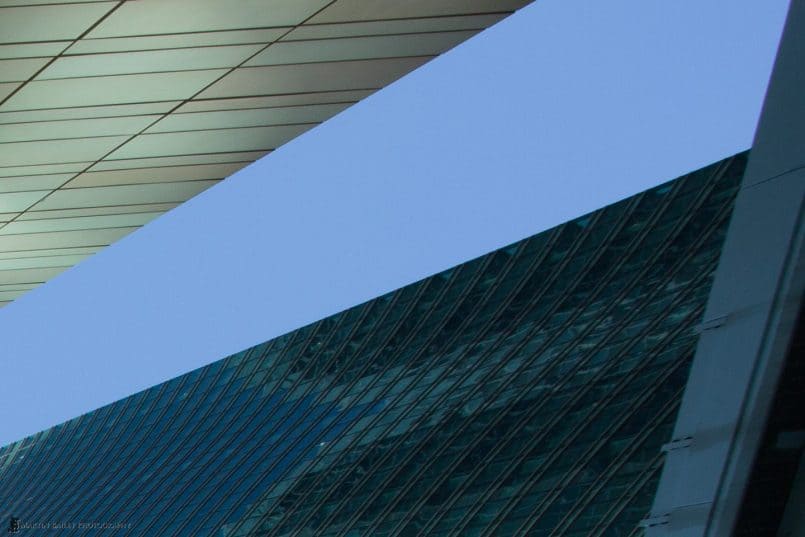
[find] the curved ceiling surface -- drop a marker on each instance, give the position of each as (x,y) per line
(112,113)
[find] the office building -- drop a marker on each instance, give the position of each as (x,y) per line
(528,391)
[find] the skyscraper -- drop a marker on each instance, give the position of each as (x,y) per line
(527,391)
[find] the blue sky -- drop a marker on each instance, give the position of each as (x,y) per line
(560,109)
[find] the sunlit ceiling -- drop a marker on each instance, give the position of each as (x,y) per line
(112,113)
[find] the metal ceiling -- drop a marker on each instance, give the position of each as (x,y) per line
(112,113)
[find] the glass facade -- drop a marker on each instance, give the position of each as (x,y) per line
(525,392)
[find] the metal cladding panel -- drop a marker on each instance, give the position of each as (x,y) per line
(756,298)
(87,87)
(526,392)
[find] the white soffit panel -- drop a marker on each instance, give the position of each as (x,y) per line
(113,112)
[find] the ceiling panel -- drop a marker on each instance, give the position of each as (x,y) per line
(359,48)
(88,112)
(6,88)
(14,291)
(42,261)
(178,160)
(177,41)
(393,26)
(77,223)
(75,128)
(154,175)
(42,169)
(112,113)
(32,242)
(42,152)
(49,23)
(20,201)
(79,250)
(312,77)
(93,211)
(285,115)
(363,10)
(274,101)
(150,17)
(33,182)
(28,276)
(117,195)
(15,283)
(122,89)
(20,70)
(33,50)
(207,141)
(8,3)
(149,61)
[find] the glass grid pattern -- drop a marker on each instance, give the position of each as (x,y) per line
(109,107)
(526,392)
